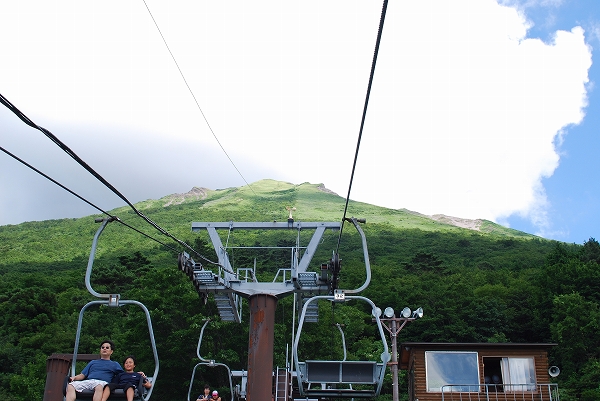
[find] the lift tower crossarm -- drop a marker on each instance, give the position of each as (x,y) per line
(247,289)
(244,225)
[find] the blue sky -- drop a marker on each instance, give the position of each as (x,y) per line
(573,192)
(470,115)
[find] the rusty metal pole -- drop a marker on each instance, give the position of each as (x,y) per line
(260,347)
(57,369)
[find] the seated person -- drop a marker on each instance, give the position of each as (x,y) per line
(215,396)
(206,395)
(127,380)
(95,375)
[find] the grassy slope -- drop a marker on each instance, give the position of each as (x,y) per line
(265,200)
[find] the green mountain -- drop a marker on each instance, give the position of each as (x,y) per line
(314,202)
(264,200)
(481,283)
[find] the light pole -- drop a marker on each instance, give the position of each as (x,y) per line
(395,325)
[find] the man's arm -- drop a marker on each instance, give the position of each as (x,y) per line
(78,377)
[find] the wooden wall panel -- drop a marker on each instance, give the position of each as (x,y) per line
(416,366)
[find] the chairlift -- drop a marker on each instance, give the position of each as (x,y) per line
(112,300)
(337,378)
(210,363)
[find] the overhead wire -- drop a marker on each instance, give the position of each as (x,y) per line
(82,198)
(362,122)
(80,161)
(196,100)
(73,155)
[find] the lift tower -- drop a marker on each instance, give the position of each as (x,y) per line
(229,287)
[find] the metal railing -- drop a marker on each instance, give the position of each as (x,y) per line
(500,392)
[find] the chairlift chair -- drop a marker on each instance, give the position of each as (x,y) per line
(209,363)
(337,378)
(111,300)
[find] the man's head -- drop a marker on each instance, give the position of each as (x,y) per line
(106,349)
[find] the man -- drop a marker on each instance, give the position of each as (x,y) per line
(96,374)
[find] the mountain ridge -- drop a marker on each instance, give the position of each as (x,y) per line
(268,199)
(269,185)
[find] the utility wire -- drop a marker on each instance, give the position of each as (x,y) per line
(82,198)
(195,100)
(362,122)
(71,153)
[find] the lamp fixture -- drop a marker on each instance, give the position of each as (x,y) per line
(418,313)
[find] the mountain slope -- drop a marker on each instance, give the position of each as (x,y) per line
(316,202)
(264,200)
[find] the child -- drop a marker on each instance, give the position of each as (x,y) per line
(126,380)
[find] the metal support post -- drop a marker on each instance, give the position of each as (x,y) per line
(260,347)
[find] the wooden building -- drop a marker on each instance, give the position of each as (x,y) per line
(478,371)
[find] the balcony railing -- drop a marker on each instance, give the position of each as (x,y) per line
(500,392)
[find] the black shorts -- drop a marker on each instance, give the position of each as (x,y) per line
(113,386)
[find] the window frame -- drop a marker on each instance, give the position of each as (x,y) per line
(471,387)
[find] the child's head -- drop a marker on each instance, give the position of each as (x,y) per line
(129,363)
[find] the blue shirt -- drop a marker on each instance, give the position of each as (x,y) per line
(128,378)
(102,369)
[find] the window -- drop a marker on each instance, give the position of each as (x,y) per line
(509,374)
(451,371)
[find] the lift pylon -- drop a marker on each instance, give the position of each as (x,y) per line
(230,286)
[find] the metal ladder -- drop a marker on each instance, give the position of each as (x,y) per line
(226,306)
(282,385)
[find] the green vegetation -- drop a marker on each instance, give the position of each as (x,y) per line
(492,285)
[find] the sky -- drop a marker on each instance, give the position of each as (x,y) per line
(479,109)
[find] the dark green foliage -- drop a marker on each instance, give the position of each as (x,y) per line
(493,285)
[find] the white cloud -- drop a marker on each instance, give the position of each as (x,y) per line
(474,112)
(463,116)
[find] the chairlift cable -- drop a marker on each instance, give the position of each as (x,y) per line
(362,122)
(54,181)
(80,161)
(83,199)
(196,100)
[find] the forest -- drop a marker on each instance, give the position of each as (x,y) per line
(488,285)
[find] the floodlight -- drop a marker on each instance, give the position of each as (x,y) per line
(418,313)
(388,312)
(376,312)
(405,312)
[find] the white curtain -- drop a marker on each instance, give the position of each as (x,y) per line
(518,374)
